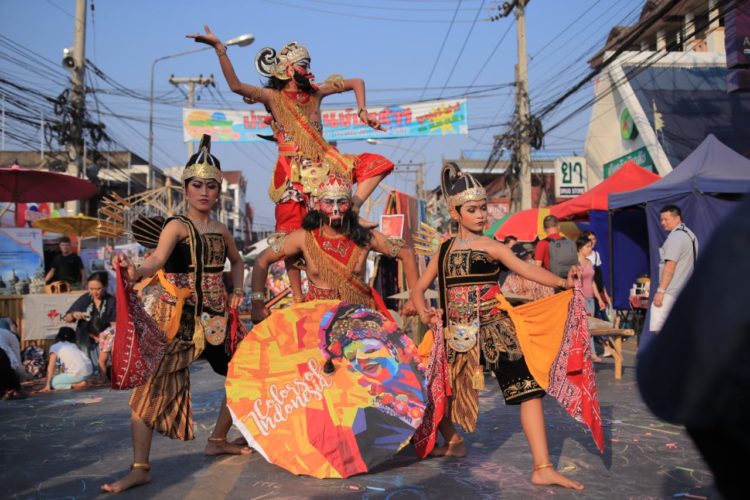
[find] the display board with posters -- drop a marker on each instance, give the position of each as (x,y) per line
(21,257)
(392,225)
(43,313)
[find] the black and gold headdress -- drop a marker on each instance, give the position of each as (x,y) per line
(459,187)
(269,64)
(203,164)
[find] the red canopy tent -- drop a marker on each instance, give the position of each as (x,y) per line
(628,178)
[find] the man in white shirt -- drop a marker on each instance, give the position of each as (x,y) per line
(677,258)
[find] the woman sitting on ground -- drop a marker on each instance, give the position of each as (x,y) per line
(76,367)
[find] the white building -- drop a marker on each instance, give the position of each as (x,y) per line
(662,89)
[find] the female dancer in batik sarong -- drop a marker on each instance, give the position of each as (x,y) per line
(478,321)
(189,312)
(305,158)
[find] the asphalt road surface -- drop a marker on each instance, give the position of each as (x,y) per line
(66,444)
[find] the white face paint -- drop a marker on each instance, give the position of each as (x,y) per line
(335,208)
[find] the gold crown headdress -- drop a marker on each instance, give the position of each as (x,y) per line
(269,64)
(203,164)
(334,186)
(473,190)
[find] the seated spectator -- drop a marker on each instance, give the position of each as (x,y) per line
(75,366)
(92,312)
(11,368)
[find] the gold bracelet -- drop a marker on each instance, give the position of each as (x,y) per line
(562,283)
(256,296)
(222,51)
(239,292)
(542,466)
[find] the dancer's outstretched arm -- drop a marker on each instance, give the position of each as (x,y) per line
(428,314)
(256,94)
(381,243)
(502,253)
(282,246)
(334,85)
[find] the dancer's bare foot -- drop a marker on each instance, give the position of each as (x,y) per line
(454,448)
(548,476)
(135,477)
(240,441)
(220,446)
(80,385)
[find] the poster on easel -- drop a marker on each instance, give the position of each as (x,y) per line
(392,225)
(21,258)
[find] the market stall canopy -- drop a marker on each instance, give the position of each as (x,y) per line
(19,185)
(712,168)
(629,177)
(528,225)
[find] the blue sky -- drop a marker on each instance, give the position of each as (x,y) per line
(404,50)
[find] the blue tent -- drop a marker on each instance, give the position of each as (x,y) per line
(706,186)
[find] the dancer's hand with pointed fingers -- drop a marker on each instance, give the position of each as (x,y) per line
(208,38)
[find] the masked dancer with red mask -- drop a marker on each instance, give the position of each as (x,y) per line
(304,157)
(187,317)
(524,346)
(335,247)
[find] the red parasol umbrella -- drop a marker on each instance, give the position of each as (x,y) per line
(326,389)
(19,185)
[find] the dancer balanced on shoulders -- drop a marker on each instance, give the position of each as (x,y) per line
(305,158)
(467,267)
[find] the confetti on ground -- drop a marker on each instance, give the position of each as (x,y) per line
(672,446)
(615,440)
(569,468)
(685,469)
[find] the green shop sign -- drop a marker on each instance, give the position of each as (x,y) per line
(640,157)
(627,126)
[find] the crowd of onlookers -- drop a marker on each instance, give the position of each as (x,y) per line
(78,358)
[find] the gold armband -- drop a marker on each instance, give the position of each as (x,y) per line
(394,246)
(337,82)
(276,242)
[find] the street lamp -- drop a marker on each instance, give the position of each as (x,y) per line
(419,181)
(240,41)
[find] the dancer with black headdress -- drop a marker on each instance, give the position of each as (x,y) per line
(478,321)
(188,315)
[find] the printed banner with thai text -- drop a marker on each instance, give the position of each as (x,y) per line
(424,119)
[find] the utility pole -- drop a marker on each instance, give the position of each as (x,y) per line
(418,171)
(78,101)
(518,139)
(191,82)
(522,107)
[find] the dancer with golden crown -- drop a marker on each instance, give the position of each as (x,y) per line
(523,347)
(189,315)
(305,158)
(335,247)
